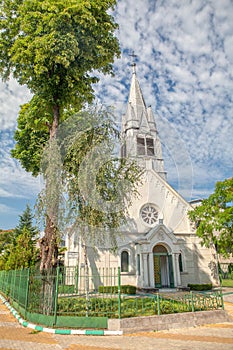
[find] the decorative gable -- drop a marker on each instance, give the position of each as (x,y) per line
(158,235)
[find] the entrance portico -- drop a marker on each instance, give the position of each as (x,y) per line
(158,255)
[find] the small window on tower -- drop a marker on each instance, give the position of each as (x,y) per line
(150,147)
(141,146)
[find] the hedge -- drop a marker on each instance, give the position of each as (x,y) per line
(200,287)
(125,289)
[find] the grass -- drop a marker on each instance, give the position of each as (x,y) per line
(131,306)
(227,283)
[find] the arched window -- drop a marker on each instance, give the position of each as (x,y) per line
(124,261)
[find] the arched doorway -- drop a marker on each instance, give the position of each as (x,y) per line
(163,267)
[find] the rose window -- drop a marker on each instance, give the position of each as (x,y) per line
(149,214)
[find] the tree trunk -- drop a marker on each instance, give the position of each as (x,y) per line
(54,127)
(49,246)
(47,298)
(49,242)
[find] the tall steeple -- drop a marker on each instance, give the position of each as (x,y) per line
(141,140)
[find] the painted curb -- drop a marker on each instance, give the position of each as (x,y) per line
(57,331)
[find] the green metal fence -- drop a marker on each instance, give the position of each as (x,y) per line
(75,297)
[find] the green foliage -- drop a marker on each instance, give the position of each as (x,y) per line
(34,295)
(125,289)
(130,306)
(30,138)
(53,46)
(18,248)
(200,287)
(6,237)
(214,218)
(26,222)
(23,254)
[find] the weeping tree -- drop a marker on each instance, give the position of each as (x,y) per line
(54,47)
(87,182)
(100,185)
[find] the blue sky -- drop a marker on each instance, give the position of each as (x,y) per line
(185,68)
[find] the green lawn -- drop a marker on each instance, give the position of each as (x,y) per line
(227,283)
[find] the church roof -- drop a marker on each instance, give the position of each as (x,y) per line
(135,95)
(137,116)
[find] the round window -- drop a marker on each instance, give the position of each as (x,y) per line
(149,214)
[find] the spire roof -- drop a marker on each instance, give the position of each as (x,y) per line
(137,115)
(135,94)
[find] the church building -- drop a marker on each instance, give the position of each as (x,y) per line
(159,247)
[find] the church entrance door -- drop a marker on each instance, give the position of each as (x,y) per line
(163,268)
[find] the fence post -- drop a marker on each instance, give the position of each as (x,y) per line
(221,296)
(192,304)
(56,296)
(19,286)
(76,278)
(8,289)
(27,291)
(119,292)
(13,287)
(158,304)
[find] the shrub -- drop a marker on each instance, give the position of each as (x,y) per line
(125,289)
(200,287)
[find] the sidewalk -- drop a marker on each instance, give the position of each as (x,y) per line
(209,337)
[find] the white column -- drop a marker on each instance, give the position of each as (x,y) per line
(177,279)
(141,277)
(145,270)
(151,270)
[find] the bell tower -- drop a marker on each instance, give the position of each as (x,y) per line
(139,131)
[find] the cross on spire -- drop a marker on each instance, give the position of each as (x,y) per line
(133,64)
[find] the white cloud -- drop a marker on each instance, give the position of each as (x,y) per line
(12,95)
(14,181)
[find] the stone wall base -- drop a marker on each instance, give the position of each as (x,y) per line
(165,322)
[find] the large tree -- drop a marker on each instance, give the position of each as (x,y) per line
(54,47)
(214,218)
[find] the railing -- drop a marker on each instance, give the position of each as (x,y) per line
(71,296)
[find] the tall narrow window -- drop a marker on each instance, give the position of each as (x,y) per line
(180,263)
(124,261)
(141,146)
(138,265)
(150,147)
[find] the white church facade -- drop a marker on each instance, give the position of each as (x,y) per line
(159,248)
